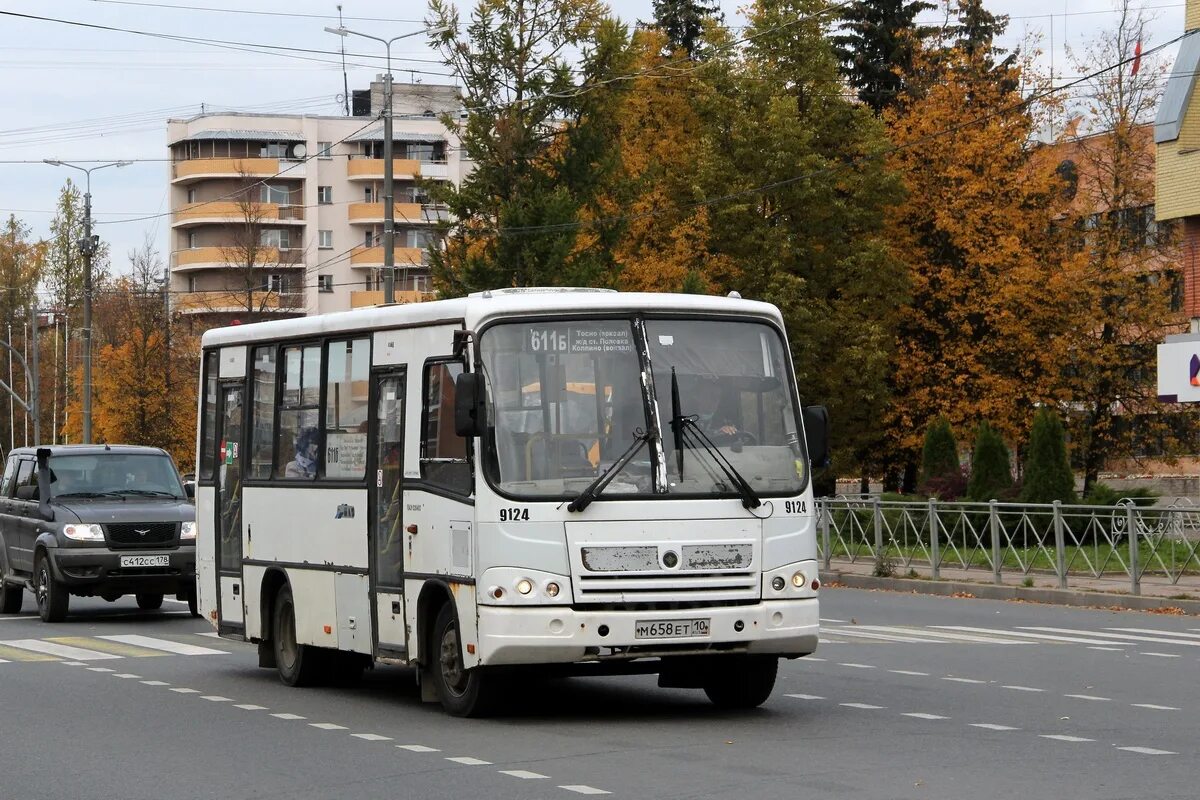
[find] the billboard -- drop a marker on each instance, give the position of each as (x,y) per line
(1179,369)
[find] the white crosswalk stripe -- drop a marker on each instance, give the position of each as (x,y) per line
(163,644)
(1118,636)
(1155,632)
(940,632)
(1023,633)
(57,649)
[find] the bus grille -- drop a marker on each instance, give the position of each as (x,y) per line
(664,586)
(142,534)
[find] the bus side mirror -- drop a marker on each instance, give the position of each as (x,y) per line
(470,411)
(816,434)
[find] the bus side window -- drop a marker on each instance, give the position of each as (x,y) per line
(443,452)
(208,444)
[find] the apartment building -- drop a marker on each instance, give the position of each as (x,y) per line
(276,215)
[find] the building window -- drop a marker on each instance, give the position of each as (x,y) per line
(369,239)
(193,240)
(325,239)
(274,194)
(324,195)
(274,283)
(273,150)
(325,283)
(324,149)
(191,283)
(275,237)
(191,195)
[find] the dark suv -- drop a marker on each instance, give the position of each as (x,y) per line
(94,520)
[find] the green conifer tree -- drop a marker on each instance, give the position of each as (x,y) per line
(1048,475)
(683,22)
(991,473)
(939,457)
(876,45)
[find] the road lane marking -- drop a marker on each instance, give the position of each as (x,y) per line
(58,650)
(371,737)
(813,658)
(418,748)
(805,696)
(991,726)
(125,675)
(877,636)
(831,619)
(858,666)
(919,715)
(212,634)
(1040,636)
(99,643)
(943,633)
(215,698)
(250,707)
(73,663)
(182,690)
(864,706)
(1062,737)
(1119,636)
(1148,751)
(909,672)
(1108,649)
(156,683)
(327,726)
(1087,697)
(468,761)
(1154,707)
(1022,688)
(963,680)
(579,788)
(1155,632)
(1161,655)
(287,716)
(178,648)
(523,774)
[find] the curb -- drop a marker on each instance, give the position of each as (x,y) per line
(985,591)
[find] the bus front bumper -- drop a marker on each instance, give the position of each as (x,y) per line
(562,635)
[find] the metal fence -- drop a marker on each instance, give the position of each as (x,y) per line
(1123,543)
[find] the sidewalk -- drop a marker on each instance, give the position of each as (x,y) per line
(1156,591)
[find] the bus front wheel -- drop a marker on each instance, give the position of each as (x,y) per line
(299,664)
(462,692)
(741,681)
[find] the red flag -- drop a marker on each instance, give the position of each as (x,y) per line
(1137,57)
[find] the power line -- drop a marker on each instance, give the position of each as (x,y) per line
(292,14)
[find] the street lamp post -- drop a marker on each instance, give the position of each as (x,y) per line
(87,247)
(389,206)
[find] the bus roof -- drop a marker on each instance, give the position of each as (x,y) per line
(480,307)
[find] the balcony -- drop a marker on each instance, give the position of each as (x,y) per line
(372,213)
(371,169)
(223,212)
(375,298)
(373,256)
(197,258)
(200,169)
(234,302)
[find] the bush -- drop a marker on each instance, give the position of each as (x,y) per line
(1048,475)
(991,473)
(939,456)
(1104,495)
(949,486)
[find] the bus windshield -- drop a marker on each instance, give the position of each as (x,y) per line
(567,401)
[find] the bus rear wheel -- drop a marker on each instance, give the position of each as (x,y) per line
(741,682)
(299,664)
(462,692)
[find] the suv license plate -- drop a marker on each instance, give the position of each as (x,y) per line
(670,628)
(145,561)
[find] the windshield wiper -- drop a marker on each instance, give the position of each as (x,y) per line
(593,490)
(89,494)
(691,432)
(147,492)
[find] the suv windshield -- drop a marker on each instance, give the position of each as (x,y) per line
(103,474)
(567,401)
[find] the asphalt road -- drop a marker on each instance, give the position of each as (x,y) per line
(908,697)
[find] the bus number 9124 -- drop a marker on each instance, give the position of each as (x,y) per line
(514,514)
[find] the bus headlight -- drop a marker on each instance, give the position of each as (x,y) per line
(552,589)
(798,580)
(84,533)
(524,586)
(777,583)
(187,530)
(521,586)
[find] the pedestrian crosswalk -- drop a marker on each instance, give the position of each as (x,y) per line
(1109,638)
(97,648)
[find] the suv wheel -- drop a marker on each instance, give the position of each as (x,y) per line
(52,596)
(148,601)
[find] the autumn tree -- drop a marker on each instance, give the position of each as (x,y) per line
(683,22)
(21,264)
(980,337)
(1125,282)
(797,189)
(145,367)
(875,47)
(541,130)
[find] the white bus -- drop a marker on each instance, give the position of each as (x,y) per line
(609,483)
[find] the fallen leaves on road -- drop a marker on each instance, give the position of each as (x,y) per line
(963,594)
(1173,611)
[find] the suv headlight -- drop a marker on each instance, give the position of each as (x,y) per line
(84,533)
(187,530)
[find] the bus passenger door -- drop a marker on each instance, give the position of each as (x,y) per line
(230,422)
(386,528)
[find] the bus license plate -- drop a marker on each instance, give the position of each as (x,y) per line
(145,561)
(669,628)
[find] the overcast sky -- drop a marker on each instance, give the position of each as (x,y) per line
(72,92)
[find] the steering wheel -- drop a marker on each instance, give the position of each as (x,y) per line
(736,439)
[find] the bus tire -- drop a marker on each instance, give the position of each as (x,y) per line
(741,682)
(193,601)
(149,601)
(462,692)
(298,664)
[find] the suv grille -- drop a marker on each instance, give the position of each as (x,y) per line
(142,534)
